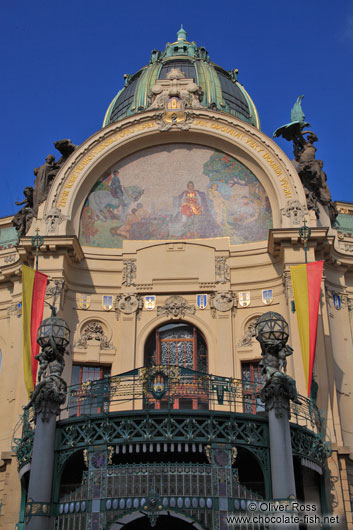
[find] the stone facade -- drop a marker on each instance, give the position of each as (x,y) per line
(175,271)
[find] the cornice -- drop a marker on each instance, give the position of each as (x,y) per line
(284,237)
(58,245)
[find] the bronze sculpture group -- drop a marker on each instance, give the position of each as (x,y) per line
(45,175)
(309,169)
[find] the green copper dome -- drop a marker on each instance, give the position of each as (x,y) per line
(221,89)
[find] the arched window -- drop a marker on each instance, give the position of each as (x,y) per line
(177,344)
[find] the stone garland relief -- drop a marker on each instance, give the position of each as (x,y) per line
(93,331)
(196,193)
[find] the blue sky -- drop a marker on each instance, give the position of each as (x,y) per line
(63,62)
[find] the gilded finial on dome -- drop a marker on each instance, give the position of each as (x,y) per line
(181,33)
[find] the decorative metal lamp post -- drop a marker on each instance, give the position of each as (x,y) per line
(304,234)
(278,390)
(48,395)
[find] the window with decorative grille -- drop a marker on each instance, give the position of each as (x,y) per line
(253,379)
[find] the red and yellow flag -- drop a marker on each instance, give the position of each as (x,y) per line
(33,291)
(306,281)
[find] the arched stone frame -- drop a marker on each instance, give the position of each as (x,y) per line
(74,182)
(244,328)
(157,322)
(81,325)
(133,516)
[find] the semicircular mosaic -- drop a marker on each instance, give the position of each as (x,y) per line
(177,191)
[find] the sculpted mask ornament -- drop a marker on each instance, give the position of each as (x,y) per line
(53,219)
(176,306)
(295,211)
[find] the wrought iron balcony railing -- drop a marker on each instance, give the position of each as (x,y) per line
(175,387)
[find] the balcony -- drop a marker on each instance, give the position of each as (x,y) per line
(135,434)
(176,405)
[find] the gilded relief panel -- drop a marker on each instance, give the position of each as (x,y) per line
(179,192)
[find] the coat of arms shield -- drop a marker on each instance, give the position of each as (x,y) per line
(267,296)
(149,302)
(244,299)
(107,302)
(201,301)
(84,301)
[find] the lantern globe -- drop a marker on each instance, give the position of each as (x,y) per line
(53,330)
(272,327)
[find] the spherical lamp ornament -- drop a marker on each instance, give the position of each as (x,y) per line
(53,332)
(272,327)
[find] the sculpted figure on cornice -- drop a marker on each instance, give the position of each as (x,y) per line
(309,169)
(176,306)
(23,219)
(45,175)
